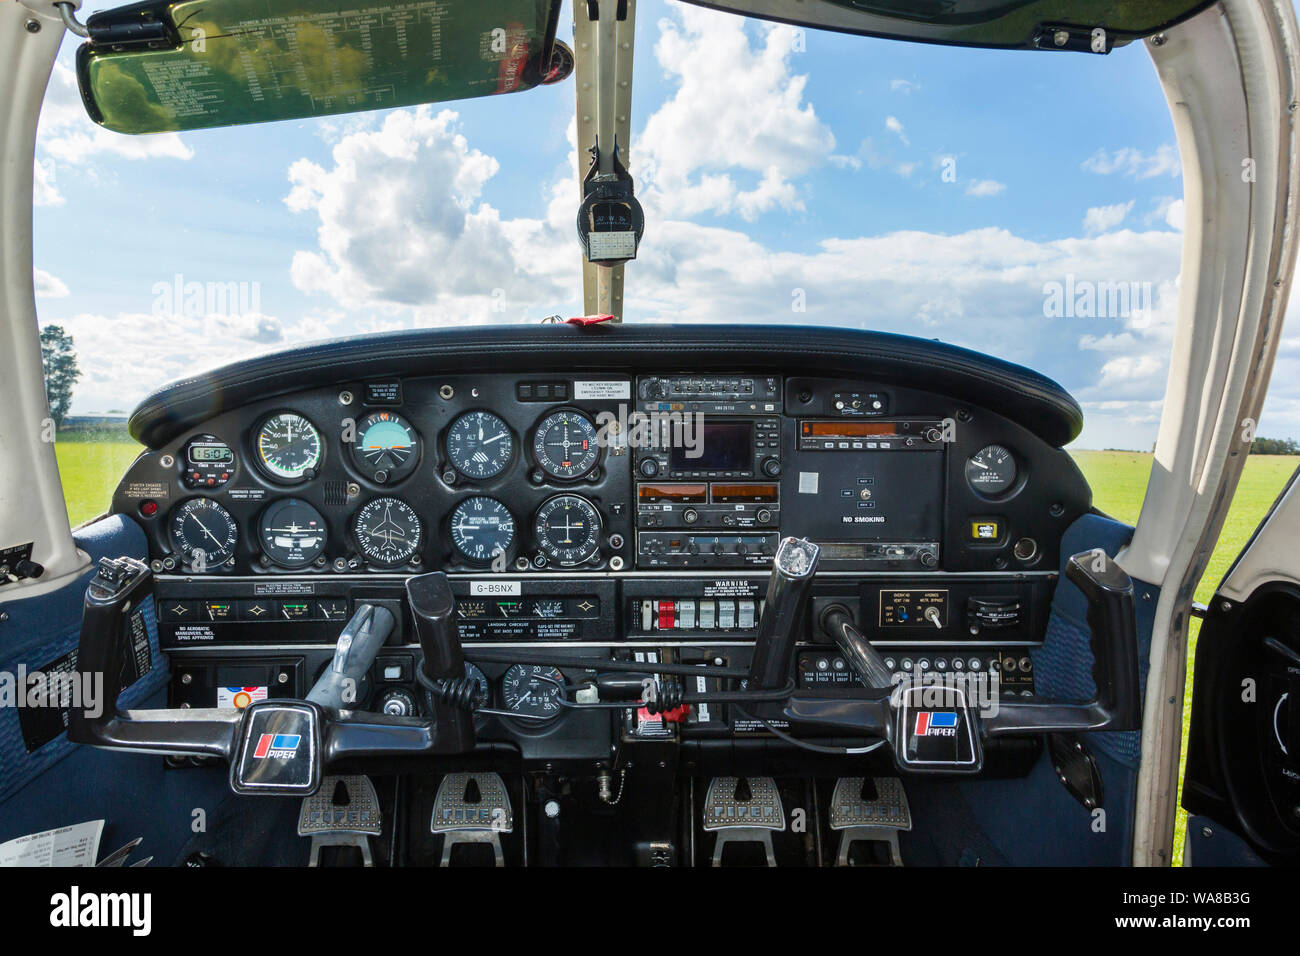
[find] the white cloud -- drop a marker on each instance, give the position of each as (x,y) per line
(984,187)
(893,124)
(44,192)
(1134,163)
(903,86)
(49,286)
(68,140)
(1100,219)
(402,226)
(135,352)
(1174,215)
(737,132)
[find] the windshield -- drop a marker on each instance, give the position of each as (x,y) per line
(1025,204)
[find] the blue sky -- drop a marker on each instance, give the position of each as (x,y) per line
(775,167)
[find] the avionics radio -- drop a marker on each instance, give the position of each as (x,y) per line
(871,493)
(732,505)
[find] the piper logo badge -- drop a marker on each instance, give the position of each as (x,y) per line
(937,723)
(280,746)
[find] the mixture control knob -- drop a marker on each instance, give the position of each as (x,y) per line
(772,467)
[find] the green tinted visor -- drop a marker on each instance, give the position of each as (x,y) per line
(156,67)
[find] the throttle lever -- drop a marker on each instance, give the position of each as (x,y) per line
(793,568)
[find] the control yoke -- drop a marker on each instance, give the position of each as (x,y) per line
(277,746)
(937,727)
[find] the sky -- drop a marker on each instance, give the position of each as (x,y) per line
(787,176)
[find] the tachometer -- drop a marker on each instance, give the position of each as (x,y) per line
(386,448)
(567,529)
(288,447)
(991,470)
(482,528)
(292,533)
(564,445)
(388,531)
(203,533)
(524,692)
(479,445)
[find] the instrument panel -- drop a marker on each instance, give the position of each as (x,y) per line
(601,473)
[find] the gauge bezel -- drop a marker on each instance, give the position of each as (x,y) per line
(535,435)
(184,556)
(451,458)
(1017,479)
(394,475)
(511,548)
(265,470)
(370,560)
(262,534)
(530,721)
(542,541)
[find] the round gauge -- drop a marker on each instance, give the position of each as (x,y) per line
(482,528)
(480,682)
(386,447)
(567,529)
(388,531)
(203,533)
(991,470)
(288,447)
(479,445)
(524,692)
(292,533)
(565,445)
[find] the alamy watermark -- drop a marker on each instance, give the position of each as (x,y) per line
(1087,299)
(202,299)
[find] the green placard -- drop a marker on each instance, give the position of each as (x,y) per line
(252,61)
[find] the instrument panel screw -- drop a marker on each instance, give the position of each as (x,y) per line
(354,489)
(282,677)
(1225,605)
(166,461)
(1061,37)
(187,678)
(446,392)
(1159,39)
(33,26)
(1207,832)
(552,809)
(345,398)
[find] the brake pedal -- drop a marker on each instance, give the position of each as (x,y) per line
(472,808)
(344,812)
(743,810)
(879,815)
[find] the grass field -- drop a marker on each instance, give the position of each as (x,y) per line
(90,466)
(1119,481)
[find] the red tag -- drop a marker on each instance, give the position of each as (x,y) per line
(589,319)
